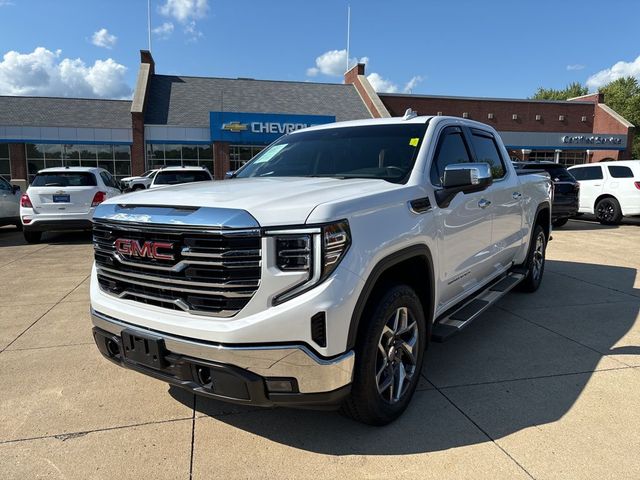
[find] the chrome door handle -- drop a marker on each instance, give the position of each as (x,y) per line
(516,195)
(484,203)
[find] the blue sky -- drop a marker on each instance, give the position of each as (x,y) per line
(493,48)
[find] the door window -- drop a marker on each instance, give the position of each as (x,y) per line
(487,152)
(452,148)
(4,185)
(587,173)
(620,172)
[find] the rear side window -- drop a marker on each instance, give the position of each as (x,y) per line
(176,177)
(64,179)
(487,152)
(587,173)
(451,149)
(620,172)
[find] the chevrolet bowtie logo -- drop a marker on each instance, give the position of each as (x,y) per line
(235,126)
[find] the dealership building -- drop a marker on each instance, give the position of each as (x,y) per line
(221,123)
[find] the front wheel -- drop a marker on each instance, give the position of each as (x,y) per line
(608,211)
(560,222)
(389,354)
(535,261)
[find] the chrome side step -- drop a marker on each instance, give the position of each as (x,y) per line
(454,321)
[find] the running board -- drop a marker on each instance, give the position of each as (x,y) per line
(453,322)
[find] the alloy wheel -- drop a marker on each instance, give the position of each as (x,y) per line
(606,211)
(396,360)
(538,256)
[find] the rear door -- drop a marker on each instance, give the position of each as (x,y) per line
(591,181)
(63,192)
(7,203)
(506,197)
(464,225)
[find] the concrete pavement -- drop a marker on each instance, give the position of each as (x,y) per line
(542,386)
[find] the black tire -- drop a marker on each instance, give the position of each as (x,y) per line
(366,403)
(608,211)
(535,261)
(560,222)
(32,237)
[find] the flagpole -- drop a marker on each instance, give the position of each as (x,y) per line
(348,33)
(149,22)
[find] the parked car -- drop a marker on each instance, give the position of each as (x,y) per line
(139,183)
(64,198)
(566,189)
(9,204)
(609,190)
(176,175)
(317,276)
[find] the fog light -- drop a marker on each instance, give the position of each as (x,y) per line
(26,220)
(281,385)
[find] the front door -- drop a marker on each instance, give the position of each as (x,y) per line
(464,224)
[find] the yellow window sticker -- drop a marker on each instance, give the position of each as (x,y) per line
(414,142)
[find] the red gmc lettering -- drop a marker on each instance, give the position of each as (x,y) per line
(148,249)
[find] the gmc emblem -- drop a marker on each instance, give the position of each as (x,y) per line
(149,249)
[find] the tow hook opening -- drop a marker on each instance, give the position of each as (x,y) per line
(204,375)
(112,347)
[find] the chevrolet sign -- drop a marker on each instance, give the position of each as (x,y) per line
(259,128)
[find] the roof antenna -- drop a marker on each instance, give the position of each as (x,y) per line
(409,114)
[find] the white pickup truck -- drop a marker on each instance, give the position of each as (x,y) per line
(317,276)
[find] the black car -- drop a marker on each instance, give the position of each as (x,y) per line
(566,189)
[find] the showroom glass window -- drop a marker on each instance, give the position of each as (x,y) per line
(572,157)
(5,166)
(241,154)
(116,159)
(161,154)
(542,156)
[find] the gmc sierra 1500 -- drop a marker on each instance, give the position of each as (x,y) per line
(318,275)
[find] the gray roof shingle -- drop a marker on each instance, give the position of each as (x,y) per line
(187,101)
(64,112)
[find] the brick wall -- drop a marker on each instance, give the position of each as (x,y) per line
(605,122)
(18,162)
(221,159)
(502,112)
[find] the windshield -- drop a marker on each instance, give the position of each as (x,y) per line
(385,152)
(176,177)
(64,179)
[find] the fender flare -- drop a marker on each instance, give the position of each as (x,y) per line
(378,270)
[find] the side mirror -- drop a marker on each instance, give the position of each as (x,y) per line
(230,174)
(467,177)
(463,177)
(15,188)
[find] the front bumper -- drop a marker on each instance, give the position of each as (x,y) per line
(239,374)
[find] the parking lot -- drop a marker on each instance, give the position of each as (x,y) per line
(542,386)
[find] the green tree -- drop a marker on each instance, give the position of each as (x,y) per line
(572,90)
(623,95)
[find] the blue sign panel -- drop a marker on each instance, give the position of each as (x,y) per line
(259,128)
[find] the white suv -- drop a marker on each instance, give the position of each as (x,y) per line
(609,190)
(177,175)
(64,198)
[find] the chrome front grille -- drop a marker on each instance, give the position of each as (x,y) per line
(212,272)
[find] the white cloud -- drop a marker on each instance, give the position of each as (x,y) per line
(413,83)
(43,72)
(6,3)
(164,31)
(334,63)
(380,84)
(185,10)
(102,38)
(619,70)
(575,66)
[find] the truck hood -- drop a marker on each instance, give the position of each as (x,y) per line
(271,201)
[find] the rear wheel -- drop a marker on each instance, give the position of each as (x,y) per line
(559,222)
(389,355)
(608,211)
(32,237)
(535,261)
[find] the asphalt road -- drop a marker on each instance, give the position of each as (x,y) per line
(545,385)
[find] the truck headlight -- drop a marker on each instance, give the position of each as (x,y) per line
(315,251)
